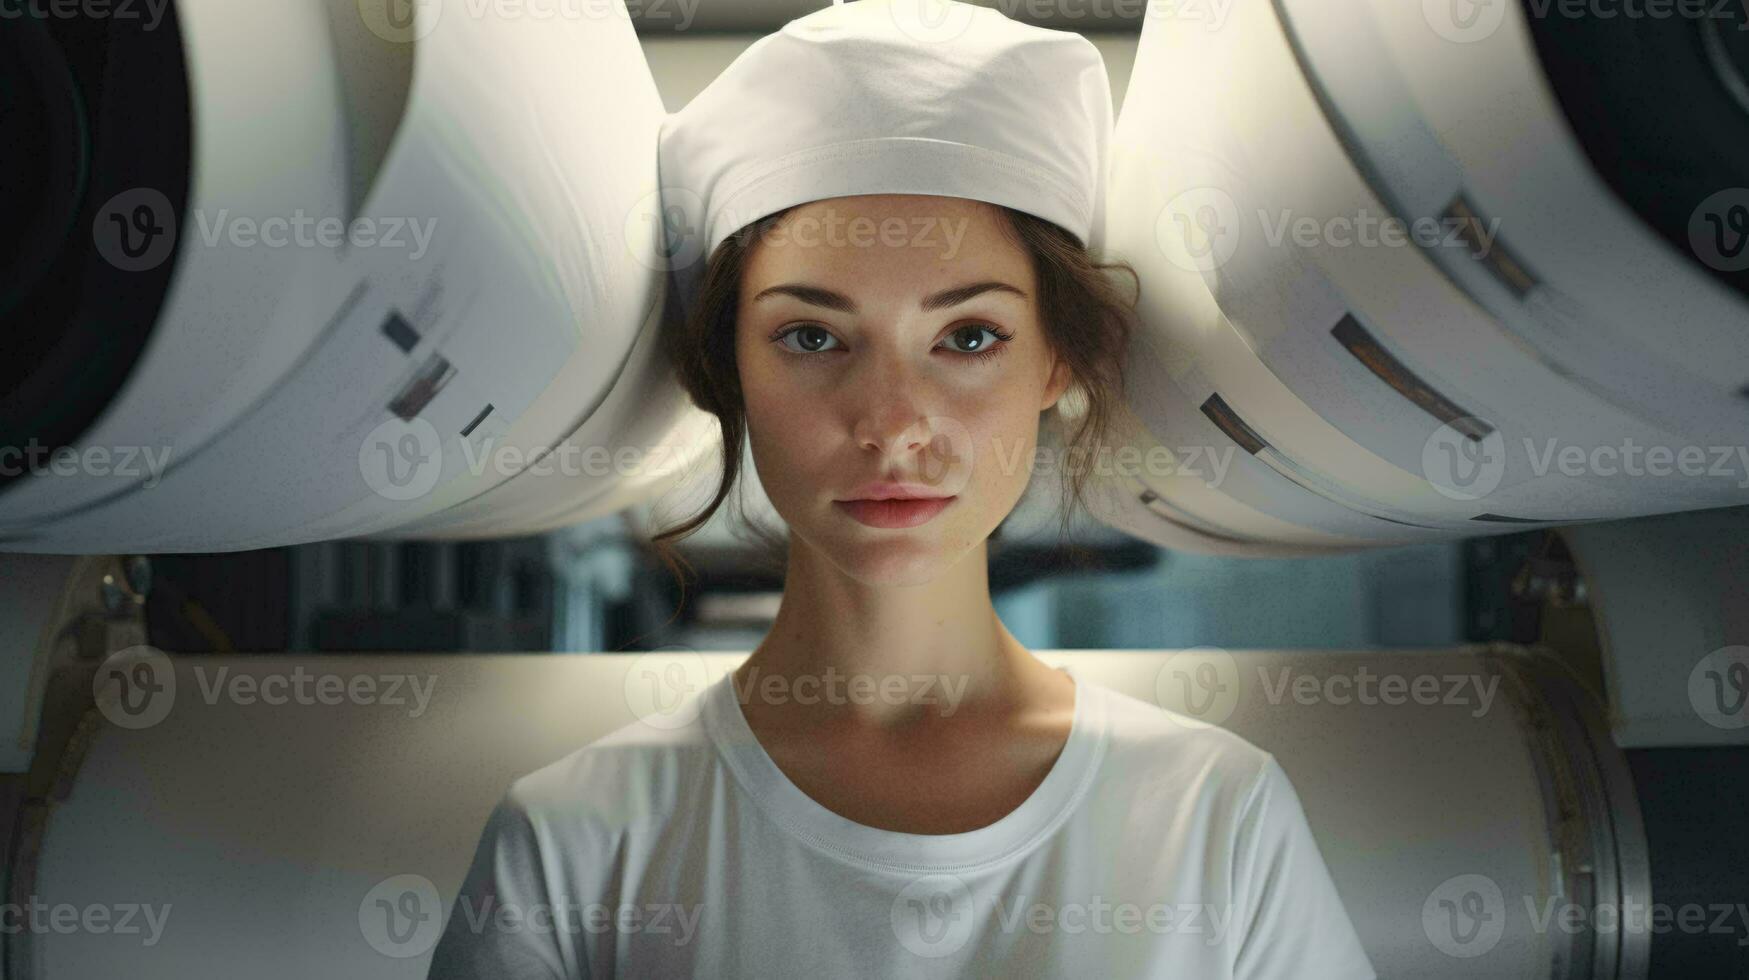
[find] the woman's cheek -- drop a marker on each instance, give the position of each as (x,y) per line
(790,443)
(999,454)
(772,397)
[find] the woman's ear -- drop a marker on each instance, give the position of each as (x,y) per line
(1057,384)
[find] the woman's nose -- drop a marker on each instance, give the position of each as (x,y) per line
(892,424)
(888,404)
(916,445)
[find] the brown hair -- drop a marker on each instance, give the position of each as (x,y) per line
(1086,321)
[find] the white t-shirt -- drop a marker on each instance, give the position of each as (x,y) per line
(1154,847)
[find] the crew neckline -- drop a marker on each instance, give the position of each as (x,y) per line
(1015,833)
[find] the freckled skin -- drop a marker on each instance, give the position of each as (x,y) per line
(889,392)
(824,422)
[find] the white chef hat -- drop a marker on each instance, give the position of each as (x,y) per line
(890,97)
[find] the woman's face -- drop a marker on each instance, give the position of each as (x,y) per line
(892,338)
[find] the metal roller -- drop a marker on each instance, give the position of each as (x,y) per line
(1457,796)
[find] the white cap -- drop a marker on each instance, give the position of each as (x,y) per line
(890,97)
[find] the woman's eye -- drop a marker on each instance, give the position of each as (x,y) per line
(976,339)
(808,339)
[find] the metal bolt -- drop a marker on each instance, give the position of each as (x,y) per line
(115,599)
(128,593)
(139,572)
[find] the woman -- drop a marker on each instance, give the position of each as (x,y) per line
(891,785)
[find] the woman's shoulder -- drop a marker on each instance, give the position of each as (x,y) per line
(633,774)
(1155,745)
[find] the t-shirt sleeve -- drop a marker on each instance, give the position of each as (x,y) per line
(1288,918)
(499,927)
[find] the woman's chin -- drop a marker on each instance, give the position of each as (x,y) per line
(887,559)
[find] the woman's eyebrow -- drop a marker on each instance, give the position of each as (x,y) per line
(818,296)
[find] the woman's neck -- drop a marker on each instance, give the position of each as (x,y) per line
(844,654)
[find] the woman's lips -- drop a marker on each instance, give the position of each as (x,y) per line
(894,513)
